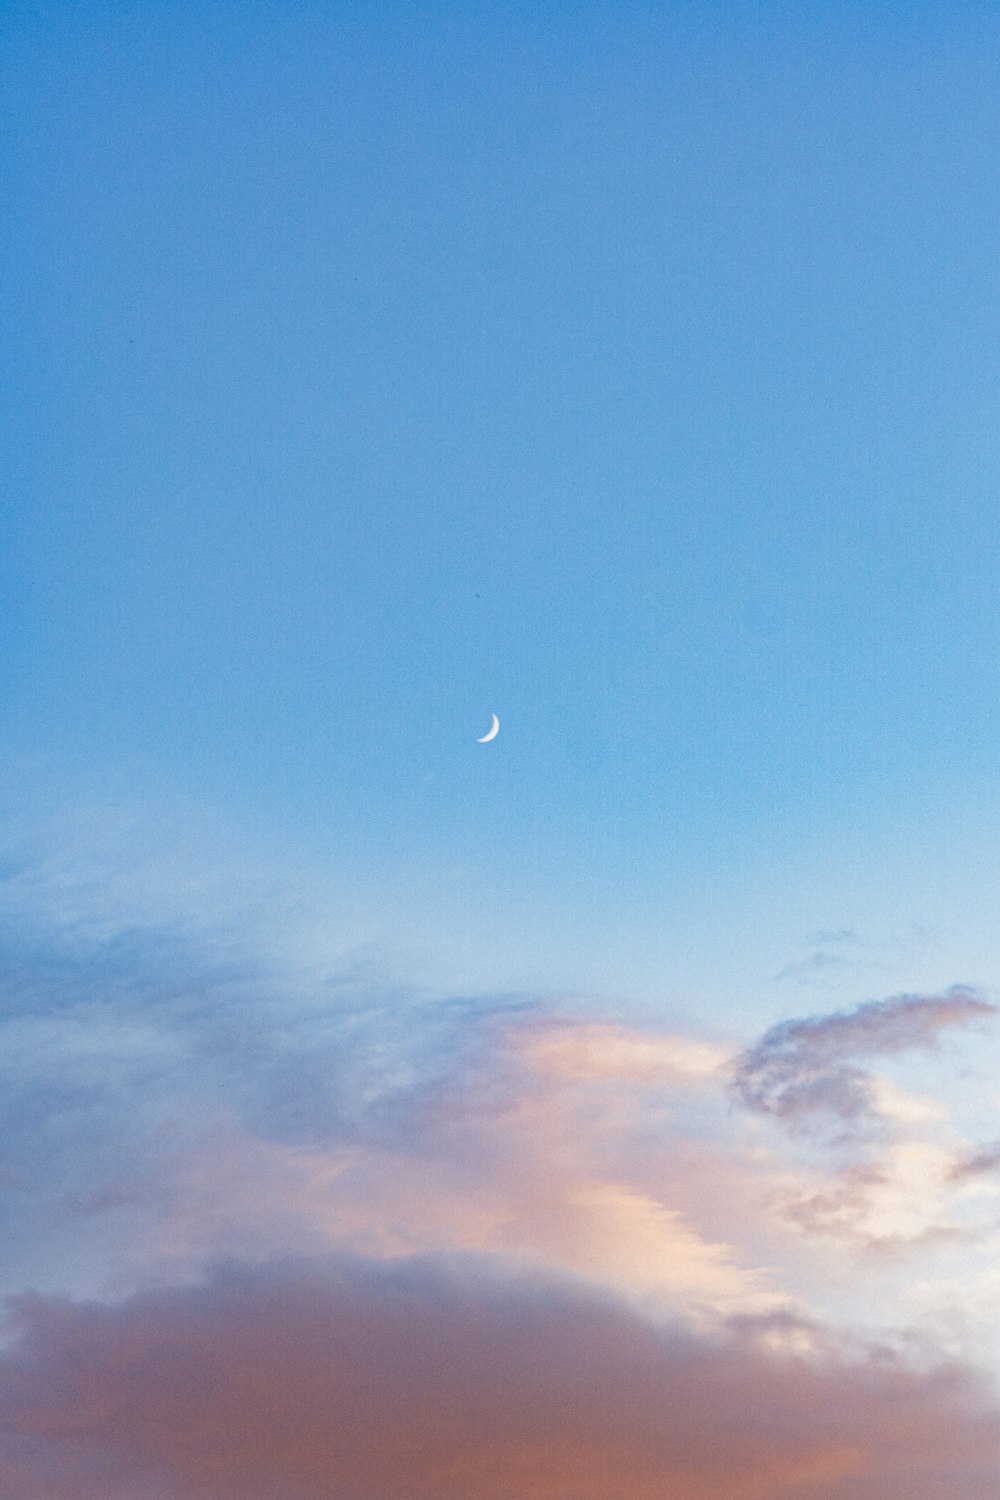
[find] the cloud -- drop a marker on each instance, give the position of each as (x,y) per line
(521,1150)
(609,1281)
(980,1163)
(893,1187)
(164,1105)
(806,969)
(895,1206)
(418,1381)
(832,949)
(167,1101)
(581,1050)
(804,1072)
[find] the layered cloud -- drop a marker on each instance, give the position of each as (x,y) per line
(282,1232)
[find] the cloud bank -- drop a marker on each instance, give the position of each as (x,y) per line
(284,1233)
(362,1382)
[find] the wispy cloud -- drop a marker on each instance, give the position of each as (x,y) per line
(890,1186)
(804,1071)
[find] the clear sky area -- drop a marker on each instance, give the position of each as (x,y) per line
(629,372)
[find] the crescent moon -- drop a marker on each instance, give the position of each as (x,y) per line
(491,733)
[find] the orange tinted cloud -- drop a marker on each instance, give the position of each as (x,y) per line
(350,1381)
(160,1116)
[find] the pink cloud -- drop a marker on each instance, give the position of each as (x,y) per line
(553,1164)
(350,1381)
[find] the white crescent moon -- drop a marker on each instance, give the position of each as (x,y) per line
(491,733)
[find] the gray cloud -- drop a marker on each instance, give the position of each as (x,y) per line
(804,1072)
(980,1164)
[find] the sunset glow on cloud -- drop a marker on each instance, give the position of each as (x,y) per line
(342,1243)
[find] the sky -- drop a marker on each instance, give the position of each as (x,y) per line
(610,1108)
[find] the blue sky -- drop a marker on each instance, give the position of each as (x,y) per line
(627,372)
(630,372)
(445,357)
